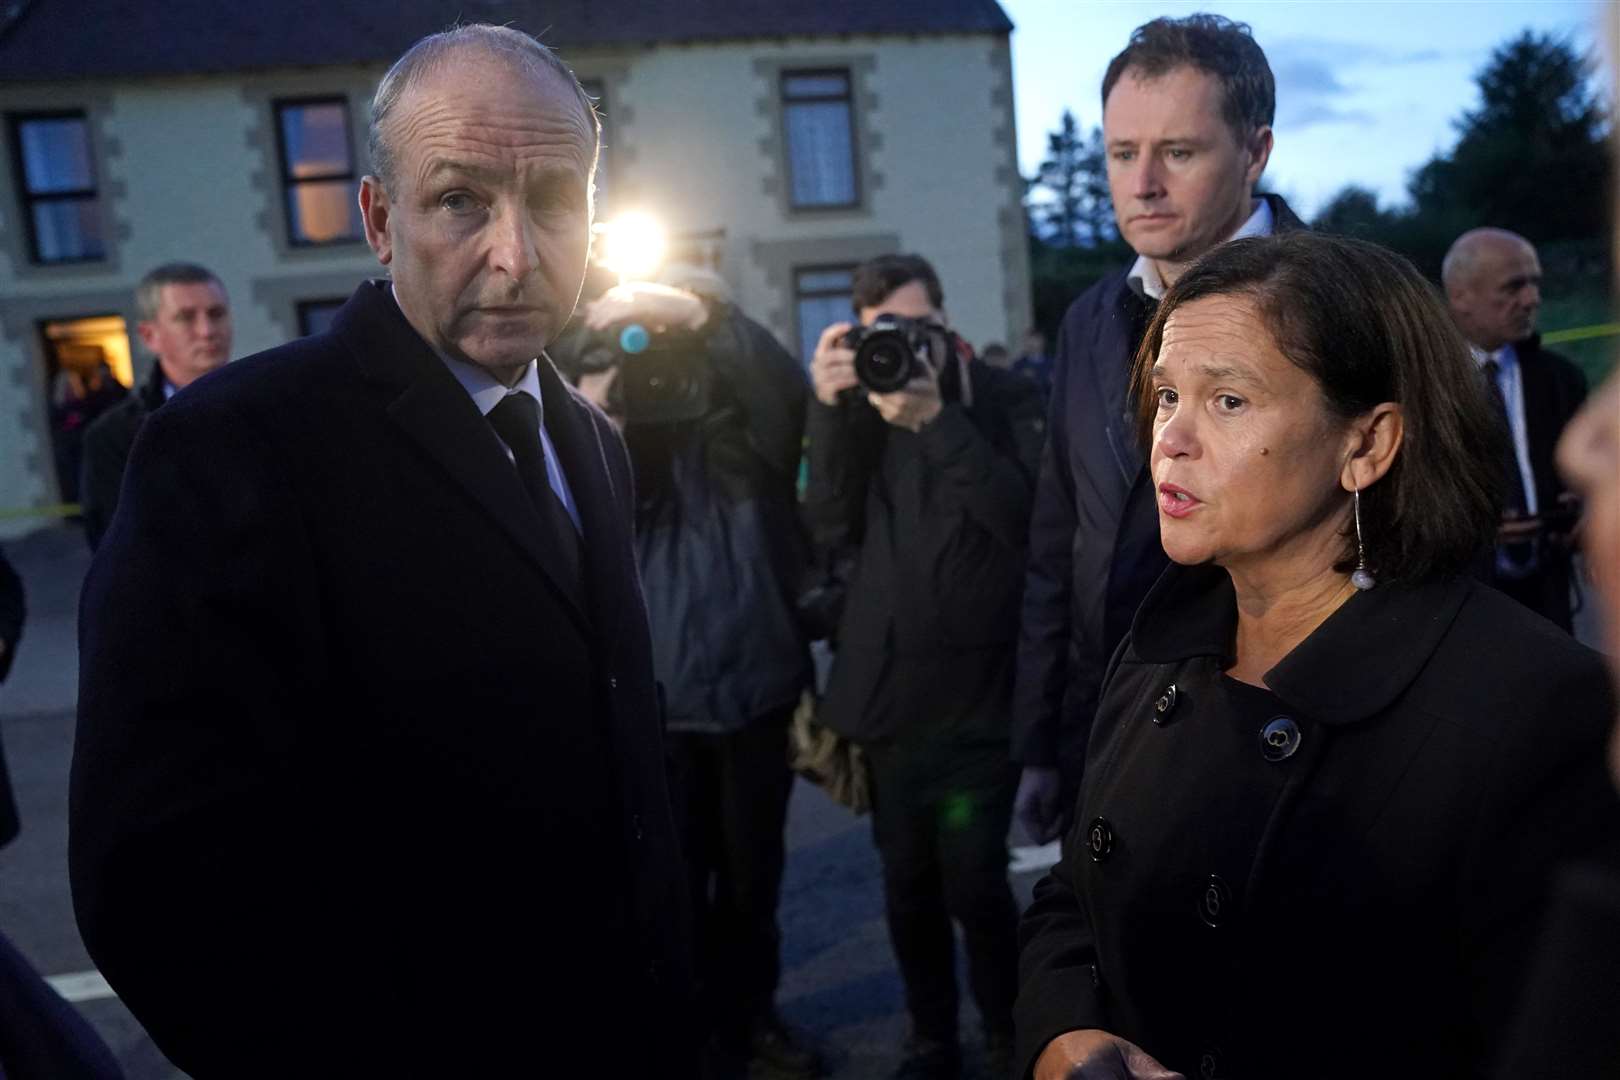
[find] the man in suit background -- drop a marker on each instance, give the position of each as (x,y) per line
(369,778)
(1187,111)
(1492,279)
(185,323)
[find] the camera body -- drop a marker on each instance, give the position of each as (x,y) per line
(663,375)
(891,351)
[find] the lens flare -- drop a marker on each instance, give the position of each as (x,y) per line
(631,245)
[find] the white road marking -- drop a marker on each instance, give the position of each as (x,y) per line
(81,986)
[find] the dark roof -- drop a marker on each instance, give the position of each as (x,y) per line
(94,39)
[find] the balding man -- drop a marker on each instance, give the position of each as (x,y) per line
(369,777)
(1493,285)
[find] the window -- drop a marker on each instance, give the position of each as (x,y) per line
(596,90)
(820,127)
(315,316)
(821,297)
(56,180)
(317,169)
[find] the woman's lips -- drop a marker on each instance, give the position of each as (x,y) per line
(1176,502)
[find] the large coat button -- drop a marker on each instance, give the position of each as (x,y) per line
(1215,902)
(1209,1064)
(1099,839)
(1279,740)
(1165,704)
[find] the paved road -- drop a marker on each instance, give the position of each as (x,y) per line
(838,980)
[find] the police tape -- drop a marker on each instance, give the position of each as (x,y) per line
(60,510)
(1580,333)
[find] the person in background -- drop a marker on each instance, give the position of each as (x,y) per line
(1187,112)
(1035,363)
(1492,279)
(1332,774)
(185,323)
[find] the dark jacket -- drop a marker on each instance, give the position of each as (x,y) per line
(939,519)
(107,443)
(1338,877)
(1554,389)
(12,611)
(1094,533)
(718,536)
(338,706)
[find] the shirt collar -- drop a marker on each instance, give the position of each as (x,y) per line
(1353,666)
(485,389)
(1144,277)
(1505,357)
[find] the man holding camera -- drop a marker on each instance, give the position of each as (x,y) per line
(712,410)
(923,461)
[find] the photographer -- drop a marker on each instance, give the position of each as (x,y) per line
(931,484)
(712,411)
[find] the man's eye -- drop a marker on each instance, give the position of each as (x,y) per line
(1166,397)
(1180,155)
(458,202)
(1123,155)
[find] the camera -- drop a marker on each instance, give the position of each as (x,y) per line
(889,351)
(663,377)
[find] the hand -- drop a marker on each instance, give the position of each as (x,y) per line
(832,369)
(658,307)
(1091,1054)
(596,387)
(914,406)
(1036,806)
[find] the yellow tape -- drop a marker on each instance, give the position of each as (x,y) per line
(1581,333)
(59,510)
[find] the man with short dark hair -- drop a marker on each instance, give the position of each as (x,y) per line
(1187,111)
(185,323)
(1492,279)
(929,485)
(369,777)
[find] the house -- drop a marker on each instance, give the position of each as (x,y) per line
(780,143)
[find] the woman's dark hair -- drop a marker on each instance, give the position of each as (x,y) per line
(877,279)
(1366,326)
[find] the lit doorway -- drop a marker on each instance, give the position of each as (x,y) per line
(87,372)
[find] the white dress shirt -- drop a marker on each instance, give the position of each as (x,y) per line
(1144,277)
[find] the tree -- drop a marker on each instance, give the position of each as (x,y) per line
(1077,208)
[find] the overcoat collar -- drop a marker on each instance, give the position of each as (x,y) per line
(1353,666)
(427,403)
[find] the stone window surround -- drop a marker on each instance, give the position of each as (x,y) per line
(106,153)
(780,260)
(617,155)
(280,296)
(262,96)
(863,104)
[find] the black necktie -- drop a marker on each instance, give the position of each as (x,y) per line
(517,421)
(1516,501)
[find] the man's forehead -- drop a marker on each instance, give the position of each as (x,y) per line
(476,79)
(1182,89)
(176,294)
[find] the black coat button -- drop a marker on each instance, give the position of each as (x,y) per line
(1209,1064)
(1165,704)
(1215,902)
(1279,740)
(1099,839)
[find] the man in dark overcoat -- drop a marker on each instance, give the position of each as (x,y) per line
(1187,111)
(369,777)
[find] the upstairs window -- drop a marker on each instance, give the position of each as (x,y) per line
(317,171)
(820,128)
(56,179)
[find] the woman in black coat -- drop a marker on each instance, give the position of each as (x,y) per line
(1329,774)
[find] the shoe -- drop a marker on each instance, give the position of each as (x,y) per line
(998,1056)
(777,1052)
(929,1059)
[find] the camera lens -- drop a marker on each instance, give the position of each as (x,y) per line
(884,362)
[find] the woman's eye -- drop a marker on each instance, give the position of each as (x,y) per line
(1230,402)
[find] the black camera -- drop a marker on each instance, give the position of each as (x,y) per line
(889,352)
(663,377)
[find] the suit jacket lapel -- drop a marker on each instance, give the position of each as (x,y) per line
(432,409)
(584,459)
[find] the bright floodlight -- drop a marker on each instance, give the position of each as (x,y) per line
(632,245)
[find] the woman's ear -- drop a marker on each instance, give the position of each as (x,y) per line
(1375,440)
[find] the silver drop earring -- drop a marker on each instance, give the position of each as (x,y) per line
(1362,577)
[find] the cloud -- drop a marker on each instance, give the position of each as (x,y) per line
(1311,89)
(1311,114)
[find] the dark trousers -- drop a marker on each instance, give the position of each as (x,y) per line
(731,794)
(939,818)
